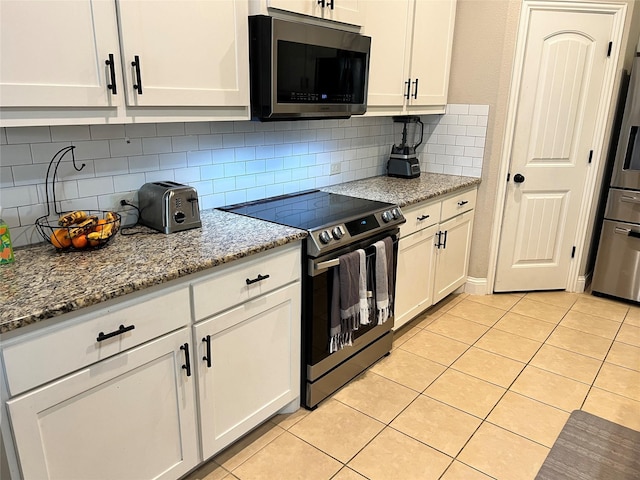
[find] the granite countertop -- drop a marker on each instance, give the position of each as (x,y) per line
(403,191)
(43,283)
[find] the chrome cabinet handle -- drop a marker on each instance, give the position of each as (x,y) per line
(626,199)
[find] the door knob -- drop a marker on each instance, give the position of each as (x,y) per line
(518,178)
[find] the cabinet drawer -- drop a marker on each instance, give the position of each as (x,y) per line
(463,202)
(420,215)
(244,280)
(64,348)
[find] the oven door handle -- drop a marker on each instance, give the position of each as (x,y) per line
(328,264)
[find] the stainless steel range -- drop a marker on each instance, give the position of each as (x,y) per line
(337,224)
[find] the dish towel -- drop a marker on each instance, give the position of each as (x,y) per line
(384,279)
(345,301)
(365,310)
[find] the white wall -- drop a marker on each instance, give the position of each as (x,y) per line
(227,162)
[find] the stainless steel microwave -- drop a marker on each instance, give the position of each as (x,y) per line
(306,71)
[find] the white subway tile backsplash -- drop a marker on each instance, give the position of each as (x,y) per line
(197,128)
(479,110)
(233,140)
(174,160)
(111,166)
(106,132)
(184,143)
(18,196)
(11,216)
(127,183)
(28,174)
(187,175)
(208,142)
(156,145)
(254,139)
(15,155)
(227,162)
(245,153)
(95,186)
(234,169)
(6,177)
(144,163)
(125,147)
(457,109)
(28,135)
(199,158)
(212,171)
(170,129)
(64,191)
(159,176)
(140,130)
(67,133)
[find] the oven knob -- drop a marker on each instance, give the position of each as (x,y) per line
(337,233)
(396,213)
(325,237)
(387,216)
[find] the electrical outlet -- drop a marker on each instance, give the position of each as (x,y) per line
(129,197)
(335,168)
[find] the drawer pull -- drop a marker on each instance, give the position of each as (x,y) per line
(422,217)
(207,357)
(187,362)
(259,278)
(462,203)
(122,329)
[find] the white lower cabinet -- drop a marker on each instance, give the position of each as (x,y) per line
(434,253)
(131,416)
(414,287)
(452,256)
(247,365)
(133,392)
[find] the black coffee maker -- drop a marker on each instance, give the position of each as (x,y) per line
(403,161)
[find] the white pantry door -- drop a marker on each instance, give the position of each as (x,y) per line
(561,89)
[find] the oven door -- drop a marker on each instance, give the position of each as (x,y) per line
(316,306)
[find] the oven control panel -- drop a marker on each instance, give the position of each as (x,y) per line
(334,236)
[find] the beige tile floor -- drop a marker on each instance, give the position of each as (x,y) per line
(477,387)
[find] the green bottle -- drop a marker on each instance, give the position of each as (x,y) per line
(6,250)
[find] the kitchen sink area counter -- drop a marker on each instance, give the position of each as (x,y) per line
(43,283)
(404,191)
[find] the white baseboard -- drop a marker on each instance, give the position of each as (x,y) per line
(476,286)
(582,282)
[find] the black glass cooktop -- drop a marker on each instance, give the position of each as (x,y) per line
(308,210)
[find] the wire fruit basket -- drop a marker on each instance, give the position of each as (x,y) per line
(77,230)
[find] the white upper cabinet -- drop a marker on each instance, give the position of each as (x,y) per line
(432,41)
(189,53)
(345,11)
(409,67)
(53,53)
(192,57)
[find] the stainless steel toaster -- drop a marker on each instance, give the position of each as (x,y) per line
(169,206)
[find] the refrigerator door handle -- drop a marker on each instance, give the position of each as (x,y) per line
(627,199)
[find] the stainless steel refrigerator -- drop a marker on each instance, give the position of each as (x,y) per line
(617,268)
